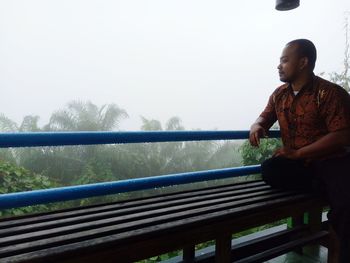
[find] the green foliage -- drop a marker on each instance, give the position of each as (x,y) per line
(15,179)
(256,155)
(18,179)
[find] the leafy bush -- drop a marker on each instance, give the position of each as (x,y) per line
(252,155)
(17,179)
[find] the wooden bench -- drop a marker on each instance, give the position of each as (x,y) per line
(132,230)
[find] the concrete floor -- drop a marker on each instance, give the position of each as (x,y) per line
(311,254)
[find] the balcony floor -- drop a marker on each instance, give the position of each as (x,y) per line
(312,254)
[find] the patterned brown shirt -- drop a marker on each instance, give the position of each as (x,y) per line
(319,108)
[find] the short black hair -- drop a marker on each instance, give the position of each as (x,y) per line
(306,49)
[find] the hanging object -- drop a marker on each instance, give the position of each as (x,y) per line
(284,5)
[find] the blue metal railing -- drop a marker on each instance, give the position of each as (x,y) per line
(36,197)
(30,139)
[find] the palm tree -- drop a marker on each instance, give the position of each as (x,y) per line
(7,125)
(82,161)
(86,116)
(29,124)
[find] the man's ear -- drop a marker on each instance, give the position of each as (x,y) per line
(304,62)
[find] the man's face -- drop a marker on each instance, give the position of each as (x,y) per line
(289,67)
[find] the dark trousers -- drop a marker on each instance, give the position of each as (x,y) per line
(329,177)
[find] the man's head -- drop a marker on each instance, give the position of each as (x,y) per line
(298,58)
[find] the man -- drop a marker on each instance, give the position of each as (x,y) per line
(314,119)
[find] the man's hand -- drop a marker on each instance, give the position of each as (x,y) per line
(333,142)
(287,153)
(256,132)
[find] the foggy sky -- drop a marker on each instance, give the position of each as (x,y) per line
(211,63)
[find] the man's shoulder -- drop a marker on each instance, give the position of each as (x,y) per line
(322,83)
(328,87)
(281,89)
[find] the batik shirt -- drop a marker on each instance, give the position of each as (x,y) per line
(320,107)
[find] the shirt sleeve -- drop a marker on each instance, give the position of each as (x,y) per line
(269,113)
(335,108)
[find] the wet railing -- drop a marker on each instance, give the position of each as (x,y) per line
(35,197)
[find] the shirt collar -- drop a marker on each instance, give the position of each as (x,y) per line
(307,87)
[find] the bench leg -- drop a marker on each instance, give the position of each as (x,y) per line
(188,254)
(294,222)
(315,219)
(223,249)
(333,247)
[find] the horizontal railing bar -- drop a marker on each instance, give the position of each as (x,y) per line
(36,197)
(32,139)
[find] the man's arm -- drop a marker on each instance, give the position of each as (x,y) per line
(330,143)
(257,131)
(266,119)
